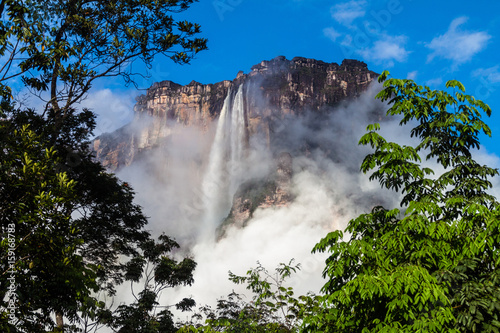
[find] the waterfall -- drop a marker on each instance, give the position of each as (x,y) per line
(237,139)
(224,172)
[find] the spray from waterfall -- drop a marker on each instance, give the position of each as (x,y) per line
(226,160)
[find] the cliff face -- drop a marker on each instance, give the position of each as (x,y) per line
(275,191)
(287,85)
(275,89)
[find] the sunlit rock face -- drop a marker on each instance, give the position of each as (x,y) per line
(273,91)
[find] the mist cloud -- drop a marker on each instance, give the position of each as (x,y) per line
(114,109)
(328,187)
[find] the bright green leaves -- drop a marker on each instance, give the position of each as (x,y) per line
(397,166)
(434,268)
(372,138)
(36,198)
(445,122)
(406,287)
(447,128)
(383,77)
(455,84)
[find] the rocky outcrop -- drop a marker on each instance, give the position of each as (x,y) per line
(193,104)
(290,86)
(274,89)
(272,192)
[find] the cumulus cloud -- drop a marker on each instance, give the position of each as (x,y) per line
(386,50)
(345,13)
(370,43)
(458,45)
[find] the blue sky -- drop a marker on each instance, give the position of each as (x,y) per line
(428,41)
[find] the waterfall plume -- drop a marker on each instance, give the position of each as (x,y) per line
(226,160)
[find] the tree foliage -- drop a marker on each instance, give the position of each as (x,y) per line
(76,226)
(273,308)
(432,264)
(73,221)
(49,273)
(155,269)
(62,46)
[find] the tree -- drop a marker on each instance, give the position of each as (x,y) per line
(64,45)
(39,249)
(156,269)
(67,242)
(74,243)
(83,239)
(432,264)
(274,307)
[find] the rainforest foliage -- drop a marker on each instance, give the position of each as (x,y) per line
(429,265)
(433,263)
(71,232)
(274,307)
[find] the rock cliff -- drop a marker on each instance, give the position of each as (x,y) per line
(275,191)
(275,89)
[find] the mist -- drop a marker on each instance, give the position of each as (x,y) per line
(327,187)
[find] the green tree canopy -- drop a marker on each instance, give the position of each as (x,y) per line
(93,225)
(433,263)
(76,225)
(47,269)
(155,269)
(62,46)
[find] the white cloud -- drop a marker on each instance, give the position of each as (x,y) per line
(386,50)
(434,82)
(331,34)
(457,45)
(113,109)
(412,75)
(346,12)
(491,75)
